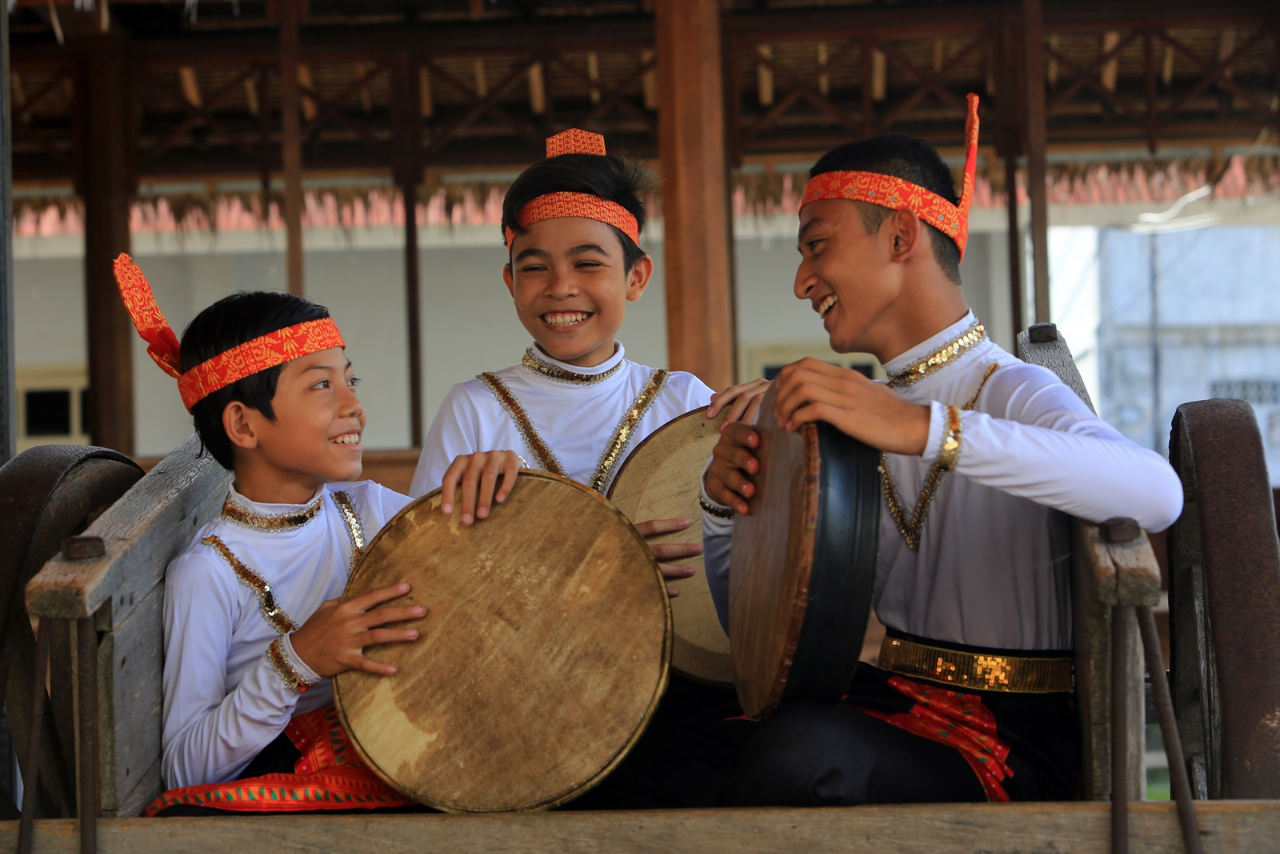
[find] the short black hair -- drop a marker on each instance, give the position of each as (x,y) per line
(227,323)
(610,178)
(910,159)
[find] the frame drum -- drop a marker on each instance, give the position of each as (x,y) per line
(541,659)
(803,565)
(661,479)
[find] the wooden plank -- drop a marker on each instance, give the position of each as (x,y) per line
(697,228)
(142,532)
(1033,52)
(291,143)
(1227,827)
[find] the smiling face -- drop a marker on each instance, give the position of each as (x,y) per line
(314,439)
(571,287)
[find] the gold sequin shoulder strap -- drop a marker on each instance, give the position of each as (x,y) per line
(351,520)
(267,604)
(541,452)
(626,429)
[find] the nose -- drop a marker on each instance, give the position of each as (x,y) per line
(350,404)
(806,279)
(562,284)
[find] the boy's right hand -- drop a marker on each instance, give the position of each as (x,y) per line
(333,640)
(733,463)
(478,475)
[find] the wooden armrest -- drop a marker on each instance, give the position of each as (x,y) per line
(1122,573)
(140,534)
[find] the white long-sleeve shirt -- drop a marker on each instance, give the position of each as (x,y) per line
(223,701)
(991,569)
(575,420)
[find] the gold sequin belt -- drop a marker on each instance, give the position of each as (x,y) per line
(976,671)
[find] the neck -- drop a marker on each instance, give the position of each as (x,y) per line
(931,308)
(271,487)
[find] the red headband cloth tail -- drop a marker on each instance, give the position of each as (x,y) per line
(243,360)
(556,205)
(897,194)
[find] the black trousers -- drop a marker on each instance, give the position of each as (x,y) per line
(820,754)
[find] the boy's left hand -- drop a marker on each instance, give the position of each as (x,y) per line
(812,390)
(742,401)
(666,551)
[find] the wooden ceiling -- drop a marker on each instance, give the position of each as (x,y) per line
(492,78)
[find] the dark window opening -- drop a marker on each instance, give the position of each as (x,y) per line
(48,412)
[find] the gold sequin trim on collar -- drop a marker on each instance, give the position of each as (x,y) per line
(541,452)
(267,604)
(270,522)
(912,528)
(939,358)
(280,664)
(613,450)
(543,368)
(355,531)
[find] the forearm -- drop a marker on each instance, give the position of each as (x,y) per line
(717,535)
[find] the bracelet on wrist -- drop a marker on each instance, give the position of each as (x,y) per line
(949,454)
(718,512)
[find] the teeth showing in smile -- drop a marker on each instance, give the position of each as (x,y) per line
(348,439)
(827,304)
(565,318)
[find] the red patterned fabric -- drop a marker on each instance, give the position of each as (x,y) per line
(556,205)
(328,776)
(267,351)
(959,720)
(897,194)
(575,141)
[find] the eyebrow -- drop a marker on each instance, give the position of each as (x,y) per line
(324,367)
(532,252)
(804,229)
(587,247)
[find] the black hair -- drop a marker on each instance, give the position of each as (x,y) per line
(910,159)
(227,323)
(610,178)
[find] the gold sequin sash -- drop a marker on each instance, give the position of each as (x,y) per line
(613,449)
(976,671)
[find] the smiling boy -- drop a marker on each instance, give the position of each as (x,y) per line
(983,458)
(252,622)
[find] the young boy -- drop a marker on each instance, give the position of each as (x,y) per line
(253,626)
(1003,449)
(575,405)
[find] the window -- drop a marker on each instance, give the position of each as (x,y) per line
(1257,392)
(52,406)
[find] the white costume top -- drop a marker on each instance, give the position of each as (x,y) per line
(223,700)
(991,568)
(574,418)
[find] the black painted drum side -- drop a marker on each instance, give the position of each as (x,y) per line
(842,579)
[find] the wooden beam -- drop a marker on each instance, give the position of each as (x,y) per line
(407,168)
(1008,139)
(1110,39)
(697,228)
(1037,173)
(291,143)
(537,90)
(764,77)
(8,394)
(190,86)
(105,148)
(593,74)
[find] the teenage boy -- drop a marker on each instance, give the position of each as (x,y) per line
(252,623)
(983,457)
(575,405)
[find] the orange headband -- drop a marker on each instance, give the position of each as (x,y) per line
(555,205)
(243,360)
(890,192)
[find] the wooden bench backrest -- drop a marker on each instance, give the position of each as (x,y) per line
(124,592)
(1103,575)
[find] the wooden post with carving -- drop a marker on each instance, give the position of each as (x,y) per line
(698,239)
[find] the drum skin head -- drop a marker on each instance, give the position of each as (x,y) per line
(803,565)
(542,656)
(662,479)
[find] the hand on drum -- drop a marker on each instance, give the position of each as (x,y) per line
(742,401)
(477,475)
(333,640)
(811,390)
(668,551)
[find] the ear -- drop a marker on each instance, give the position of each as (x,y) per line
(638,278)
(905,234)
(239,422)
(508,279)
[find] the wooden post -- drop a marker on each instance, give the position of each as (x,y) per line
(105,150)
(1009,109)
(8,394)
(697,226)
(291,140)
(1037,174)
(407,173)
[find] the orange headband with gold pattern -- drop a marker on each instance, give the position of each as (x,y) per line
(243,360)
(890,192)
(556,205)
